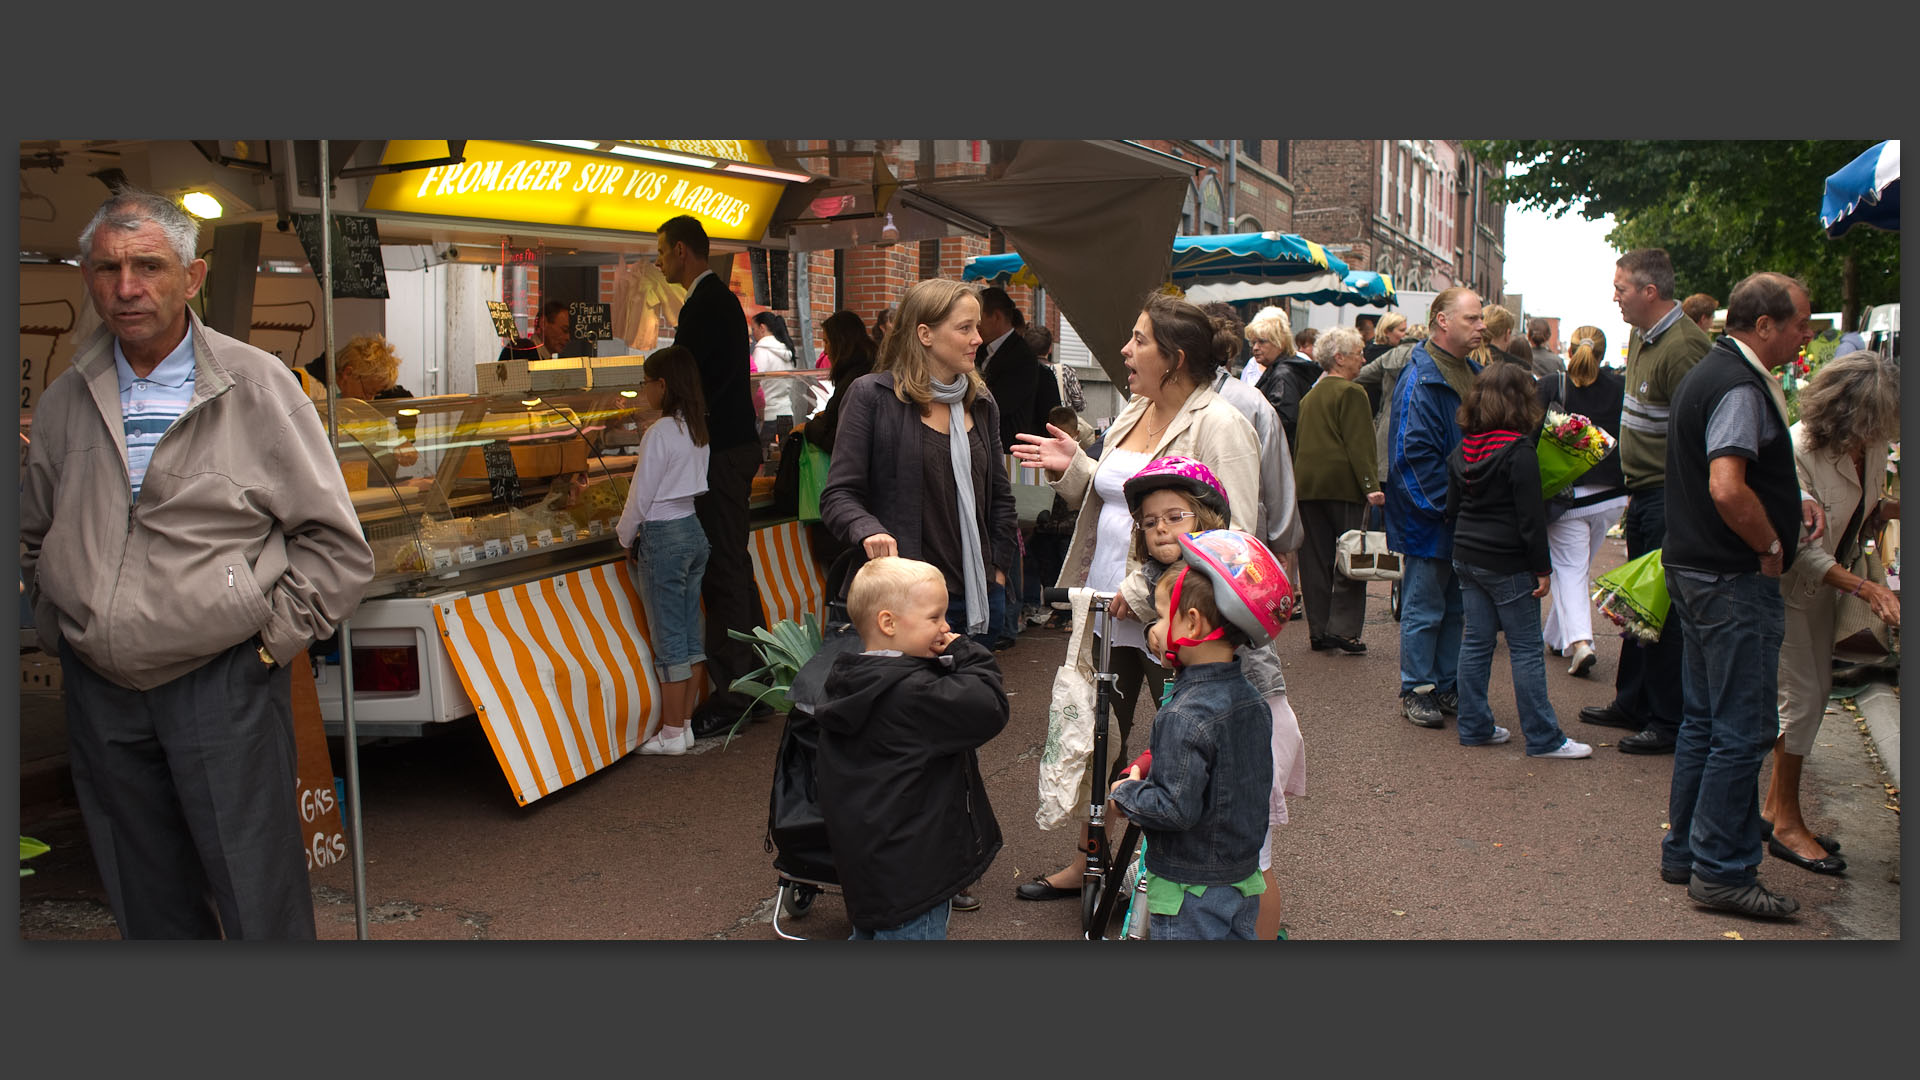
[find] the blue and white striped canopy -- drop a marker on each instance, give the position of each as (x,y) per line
(1866,192)
(1223,267)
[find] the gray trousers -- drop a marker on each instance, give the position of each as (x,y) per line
(188,795)
(1335,605)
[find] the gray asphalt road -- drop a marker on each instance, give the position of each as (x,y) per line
(1404,834)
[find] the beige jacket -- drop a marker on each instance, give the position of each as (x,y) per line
(1207,429)
(1828,477)
(244,525)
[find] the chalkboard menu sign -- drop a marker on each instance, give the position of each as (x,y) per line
(358,272)
(502,319)
(502,478)
(592,322)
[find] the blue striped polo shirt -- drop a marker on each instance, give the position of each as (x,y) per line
(149,406)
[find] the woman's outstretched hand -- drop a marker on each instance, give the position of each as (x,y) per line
(1054,454)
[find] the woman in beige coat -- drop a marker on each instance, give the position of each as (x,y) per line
(1848,413)
(1171,360)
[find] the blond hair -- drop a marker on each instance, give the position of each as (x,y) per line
(929,303)
(1389,322)
(370,358)
(1270,326)
(883,585)
(1583,359)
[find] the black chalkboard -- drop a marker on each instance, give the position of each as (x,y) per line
(502,320)
(358,272)
(592,322)
(502,477)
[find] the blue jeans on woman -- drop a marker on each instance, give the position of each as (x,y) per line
(672,558)
(1498,601)
(1730,629)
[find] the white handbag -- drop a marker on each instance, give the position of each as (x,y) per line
(1363,556)
(1064,783)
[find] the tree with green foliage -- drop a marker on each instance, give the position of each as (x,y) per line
(1722,209)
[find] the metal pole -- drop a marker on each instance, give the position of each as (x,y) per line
(1233,155)
(345,636)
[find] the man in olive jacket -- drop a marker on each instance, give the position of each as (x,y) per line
(185,532)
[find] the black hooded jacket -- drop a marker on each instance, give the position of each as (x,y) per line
(1494,505)
(1285,384)
(900,787)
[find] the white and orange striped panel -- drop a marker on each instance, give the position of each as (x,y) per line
(560,671)
(790,584)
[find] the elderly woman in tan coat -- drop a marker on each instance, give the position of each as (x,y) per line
(1848,413)
(1171,360)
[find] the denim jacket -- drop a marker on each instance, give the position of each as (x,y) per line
(1203,806)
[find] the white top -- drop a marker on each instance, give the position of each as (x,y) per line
(770,355)
(670,473)
(1252,372)
(1114,535)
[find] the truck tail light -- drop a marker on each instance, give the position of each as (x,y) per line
(386,669)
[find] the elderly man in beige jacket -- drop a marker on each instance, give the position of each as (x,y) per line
(185,532)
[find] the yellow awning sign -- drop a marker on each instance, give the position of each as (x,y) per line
(517,183)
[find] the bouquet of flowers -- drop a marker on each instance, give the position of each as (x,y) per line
(1570,444)
(1634,597)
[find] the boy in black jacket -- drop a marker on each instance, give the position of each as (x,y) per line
(900,789)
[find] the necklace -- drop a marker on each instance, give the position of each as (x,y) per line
(1154,432)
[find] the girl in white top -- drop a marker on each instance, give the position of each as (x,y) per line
(668,546)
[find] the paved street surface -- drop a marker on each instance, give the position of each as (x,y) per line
(1404,833)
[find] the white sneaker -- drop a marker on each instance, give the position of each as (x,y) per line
(1569,749)
(1500,735)
(1583,659)
(660,744)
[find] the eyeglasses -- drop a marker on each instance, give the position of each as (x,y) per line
(1173,518)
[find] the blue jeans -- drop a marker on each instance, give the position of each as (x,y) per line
(1430,620)
(1496,601)
(1730,633)
(672,558)
(1219,914)
(998,618)
(929,927)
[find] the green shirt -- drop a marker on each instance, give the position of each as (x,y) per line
(1164,897)
(1452,368)
(1654,371)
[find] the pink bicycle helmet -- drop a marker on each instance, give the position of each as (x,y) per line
(1249,588)
(1184,473)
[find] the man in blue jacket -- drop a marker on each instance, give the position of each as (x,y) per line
(1423,434)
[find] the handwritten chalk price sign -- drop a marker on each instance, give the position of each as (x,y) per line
(592,322)
(502,320)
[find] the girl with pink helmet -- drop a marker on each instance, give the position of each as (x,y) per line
(1181,511)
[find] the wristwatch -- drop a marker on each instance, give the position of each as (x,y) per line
(266,657)
(1774,548)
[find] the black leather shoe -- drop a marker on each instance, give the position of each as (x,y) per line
(1828,842)
(1646,742)
(1319,643)
(966,902)
(1346,644)
(1675,877)
(1752,899)
(1832,864)
(1608,716)
(1039,889)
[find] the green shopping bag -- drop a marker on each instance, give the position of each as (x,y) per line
(813,479)
(1634,596)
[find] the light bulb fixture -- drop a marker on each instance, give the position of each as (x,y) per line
(200,204)
(629,393)
(529,402)
(889,233)
(408,412)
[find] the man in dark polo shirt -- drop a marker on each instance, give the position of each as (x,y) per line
(1663,347)
(714,327)
(1733,526)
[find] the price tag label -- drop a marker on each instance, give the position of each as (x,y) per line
(442,558)
(495,549)
(595,527)
(518,542)
(568,533)
(545,538)
(468,554)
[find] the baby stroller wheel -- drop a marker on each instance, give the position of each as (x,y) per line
(798,899)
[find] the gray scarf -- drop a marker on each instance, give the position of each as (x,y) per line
(954,396)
